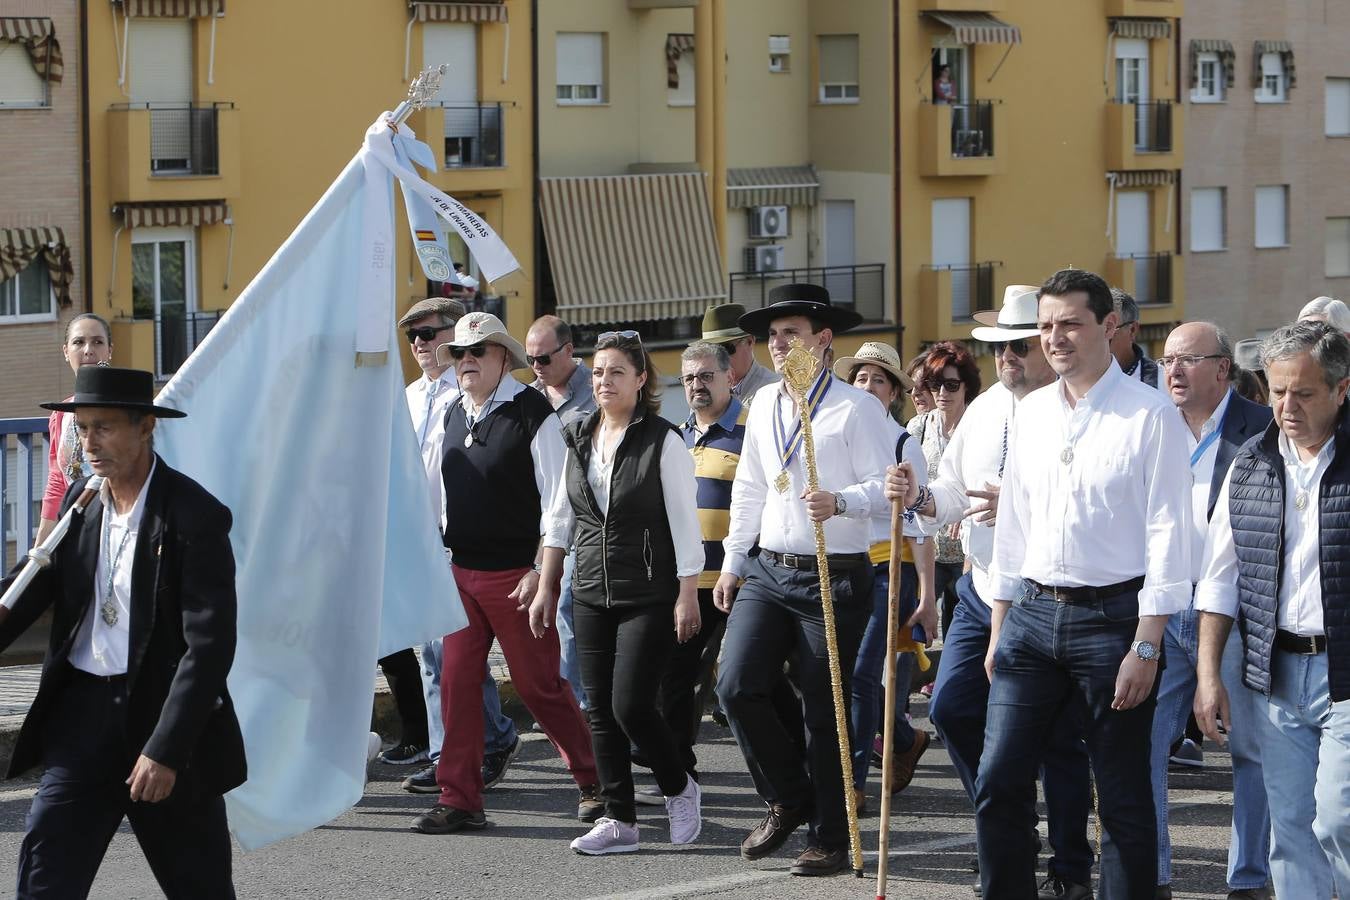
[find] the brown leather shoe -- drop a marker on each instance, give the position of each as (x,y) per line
(819,861)
(861,801)
(903,764)
(776,828)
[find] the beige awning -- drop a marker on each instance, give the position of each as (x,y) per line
(39,39)
(629,248)
(977,28)
(1142,29)
(1286,51)
(772,186)
(19,247)
(676,46)
(1226,58)
(1146,178)
(172,9)
(426,11)
(160,215)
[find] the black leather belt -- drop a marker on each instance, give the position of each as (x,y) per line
(1303,644)
(82,675)
(1086,594)
(808,562)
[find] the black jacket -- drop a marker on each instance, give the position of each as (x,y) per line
(182,636)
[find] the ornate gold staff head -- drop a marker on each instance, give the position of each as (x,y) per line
(800,368)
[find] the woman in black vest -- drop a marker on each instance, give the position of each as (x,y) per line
(631,501)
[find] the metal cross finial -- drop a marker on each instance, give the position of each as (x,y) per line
(421,92)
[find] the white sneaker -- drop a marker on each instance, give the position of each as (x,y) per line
(608,836)
(686,813)
(649,797)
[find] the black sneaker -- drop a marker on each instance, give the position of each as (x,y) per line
(589,806)
(496,764)
(445,819)
(424,782)
(404,755)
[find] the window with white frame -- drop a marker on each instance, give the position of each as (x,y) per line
(1272,215)
(1208,221)
(580,68)
(1338,247)
(1338,107)
(1274,87)
(838,68)
(20,84)
(683,94)
(1209,79)
(28,296)
(164,290)
(780,53)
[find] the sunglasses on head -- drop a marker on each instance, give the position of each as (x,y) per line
(1019,347)
(951,385)
(617,336)
(477,351)
(542,359)
(427,332)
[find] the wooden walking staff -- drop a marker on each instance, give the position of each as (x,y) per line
(799,371)
(888,715)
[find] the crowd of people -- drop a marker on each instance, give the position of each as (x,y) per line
(1116,552)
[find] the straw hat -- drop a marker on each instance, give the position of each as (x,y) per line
(1015,319)
(875,353)
(485,328)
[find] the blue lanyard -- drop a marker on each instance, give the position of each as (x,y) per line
(1204,445)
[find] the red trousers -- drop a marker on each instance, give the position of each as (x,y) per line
(534,674)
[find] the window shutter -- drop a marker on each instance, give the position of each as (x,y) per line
(1207,231)
(839,59)
(1271,215)
(160,58)
(1338,106)
(580,58)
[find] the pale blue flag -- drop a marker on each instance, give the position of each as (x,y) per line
(335,533)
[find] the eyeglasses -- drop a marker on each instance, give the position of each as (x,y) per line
(700,377)
(427,333)
(543,359)
(616,336)
(1187,361)
(950,385)
(477,351)
(1019,347)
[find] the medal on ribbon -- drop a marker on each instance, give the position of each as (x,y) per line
(787,444)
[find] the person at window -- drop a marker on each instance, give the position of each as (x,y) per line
(944,89)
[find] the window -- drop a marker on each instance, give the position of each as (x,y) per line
(683,93)
(1208,225)
(20,84)
(163,289)
(1272,216)
(780,53)
(1338,107)
(581,68)
(1338,247)
(28,297)
(1274,79)
(838,68)
(1209,79)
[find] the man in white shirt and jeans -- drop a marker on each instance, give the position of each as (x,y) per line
(1277,560)
(1091,555)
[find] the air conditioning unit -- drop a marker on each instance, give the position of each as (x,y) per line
(767,258)
(768,221)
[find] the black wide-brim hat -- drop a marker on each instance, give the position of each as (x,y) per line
(121,388)
(800,300)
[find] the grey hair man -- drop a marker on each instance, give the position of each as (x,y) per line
(1131,357)
(1275,562)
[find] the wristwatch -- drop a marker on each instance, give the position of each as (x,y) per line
(1145,651)
(840,505)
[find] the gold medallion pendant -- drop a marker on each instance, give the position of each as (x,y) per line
(782,482)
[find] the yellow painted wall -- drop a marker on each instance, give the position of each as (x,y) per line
(766,122)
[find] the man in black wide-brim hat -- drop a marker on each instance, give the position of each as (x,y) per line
(777,609)
(132,717)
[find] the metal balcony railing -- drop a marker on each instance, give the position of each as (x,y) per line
(23,478)
(972,129)
(184,137)
(473,135)
(1153,126)
(972,288)
(862,287)
(1152,277)
(177,334)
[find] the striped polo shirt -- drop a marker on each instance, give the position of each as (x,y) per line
(716,453)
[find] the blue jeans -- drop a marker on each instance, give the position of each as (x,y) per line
(866,708)
(569,668)
(1250,844)
(1305,741)
(499,732)
(957,711)
(1053,657)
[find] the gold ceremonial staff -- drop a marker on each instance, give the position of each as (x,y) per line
(799,371)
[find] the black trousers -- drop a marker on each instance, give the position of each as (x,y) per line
(405,683)
(623,652)
(83,798)
(688,679)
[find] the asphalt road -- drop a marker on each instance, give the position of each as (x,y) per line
(370,853)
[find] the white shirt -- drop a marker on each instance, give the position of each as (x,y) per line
(678,488)
(975,457)
(853,449)
(1202,475)
(547,450)
(1300,597)
(428,401)
(1119,509)
(101,648)
(912,453)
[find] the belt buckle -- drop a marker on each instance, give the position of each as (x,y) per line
(791,560)
(1311,648)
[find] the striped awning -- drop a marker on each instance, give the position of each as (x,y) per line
(39,39)
(977,28)
(1142,29)
(1226,58)
(772,186)
(161,215)
(172,9)
(1146,178)
(426,11)
(628,248)
(676,45)
(19,247)
(1286,51)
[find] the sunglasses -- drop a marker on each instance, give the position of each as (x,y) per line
(543,359)
(616,336)
(477,351)
(1019,347)
(950,385)
(427,333)
(700,377)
